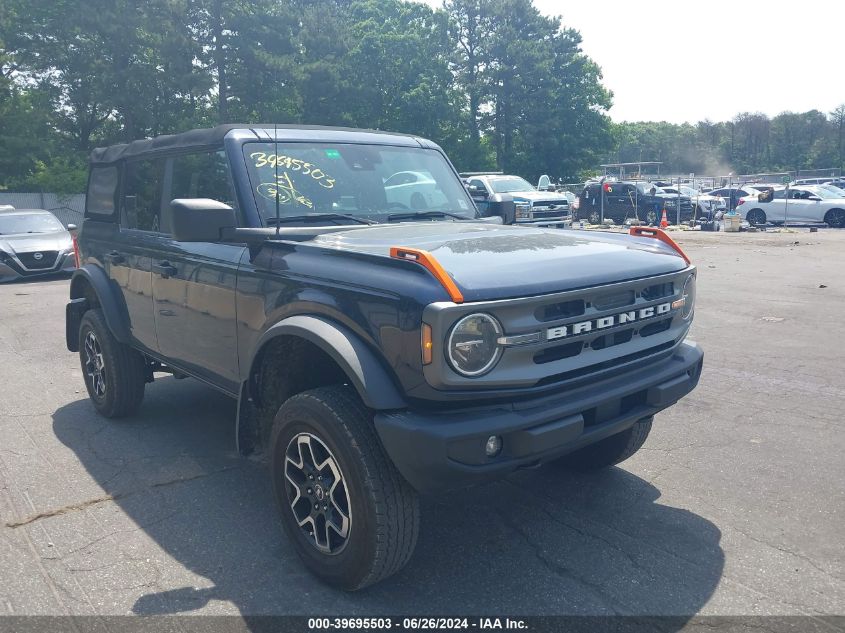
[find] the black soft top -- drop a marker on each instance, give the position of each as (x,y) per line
(211,138)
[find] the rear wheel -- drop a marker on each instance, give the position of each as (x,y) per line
(756,217)
(609,451)
(835,218)
(595,217)
(351,516)
(113,372)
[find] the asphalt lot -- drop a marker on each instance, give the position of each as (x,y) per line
(736,504)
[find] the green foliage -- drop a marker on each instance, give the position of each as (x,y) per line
(64,174)
(494,82)
(751,143)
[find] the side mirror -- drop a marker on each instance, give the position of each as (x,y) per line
(814,198)
(200,219)
(477,192)
(501,204)
(71,227)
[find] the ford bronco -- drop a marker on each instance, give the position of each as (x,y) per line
(377,350)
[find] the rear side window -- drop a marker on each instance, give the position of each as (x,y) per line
(141,200)
(102,190)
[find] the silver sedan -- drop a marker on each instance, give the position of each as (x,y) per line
(33,243)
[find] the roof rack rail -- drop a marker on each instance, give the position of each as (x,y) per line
(467,174)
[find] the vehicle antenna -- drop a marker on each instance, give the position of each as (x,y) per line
(276,164)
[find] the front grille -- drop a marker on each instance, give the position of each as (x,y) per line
(608,364)
(565,310)
(658,291)
(47,260)
(542,215)
(550,209)
(567,337)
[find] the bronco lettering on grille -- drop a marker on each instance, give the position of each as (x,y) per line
(603,323)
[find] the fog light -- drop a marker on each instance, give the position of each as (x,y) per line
(493,446)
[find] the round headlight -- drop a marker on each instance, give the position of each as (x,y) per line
(689,297)
(473,345)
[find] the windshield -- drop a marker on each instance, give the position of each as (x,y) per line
(824,194)
(836,191)
(13,223)
(646,187)
(368,182)
(510,184)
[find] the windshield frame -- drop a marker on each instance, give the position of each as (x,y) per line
(433,164)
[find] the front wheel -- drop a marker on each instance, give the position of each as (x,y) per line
(351,516)
(611,450)
(835,218)
(113,372)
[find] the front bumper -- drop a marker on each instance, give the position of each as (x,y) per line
(11,269)
(438,451)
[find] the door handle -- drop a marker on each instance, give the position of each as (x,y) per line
(114,258)
(165,269)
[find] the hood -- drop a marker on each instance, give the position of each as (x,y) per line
(499,262)
(33,242)
(538,196)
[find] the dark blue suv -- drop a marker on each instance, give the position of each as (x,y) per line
(380,337)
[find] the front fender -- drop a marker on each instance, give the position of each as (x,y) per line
(363,368)
(108,296)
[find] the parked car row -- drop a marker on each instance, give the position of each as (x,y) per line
(627,201)
(622,201)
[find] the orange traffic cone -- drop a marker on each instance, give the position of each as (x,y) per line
(664,221)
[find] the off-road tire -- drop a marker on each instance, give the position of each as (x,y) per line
(756,217)
(122,374)
(384,510)
(609,451)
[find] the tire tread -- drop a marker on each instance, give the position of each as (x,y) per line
(128,368)
(397,513)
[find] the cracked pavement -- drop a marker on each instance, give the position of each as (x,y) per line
(735,505)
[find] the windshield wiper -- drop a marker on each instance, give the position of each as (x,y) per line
(317,217)
(410,215)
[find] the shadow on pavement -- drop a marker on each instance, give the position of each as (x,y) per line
(542,542)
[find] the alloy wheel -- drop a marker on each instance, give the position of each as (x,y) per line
(317,493)
(836,218)
(95,365)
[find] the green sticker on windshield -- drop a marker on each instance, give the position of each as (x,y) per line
(332,153)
